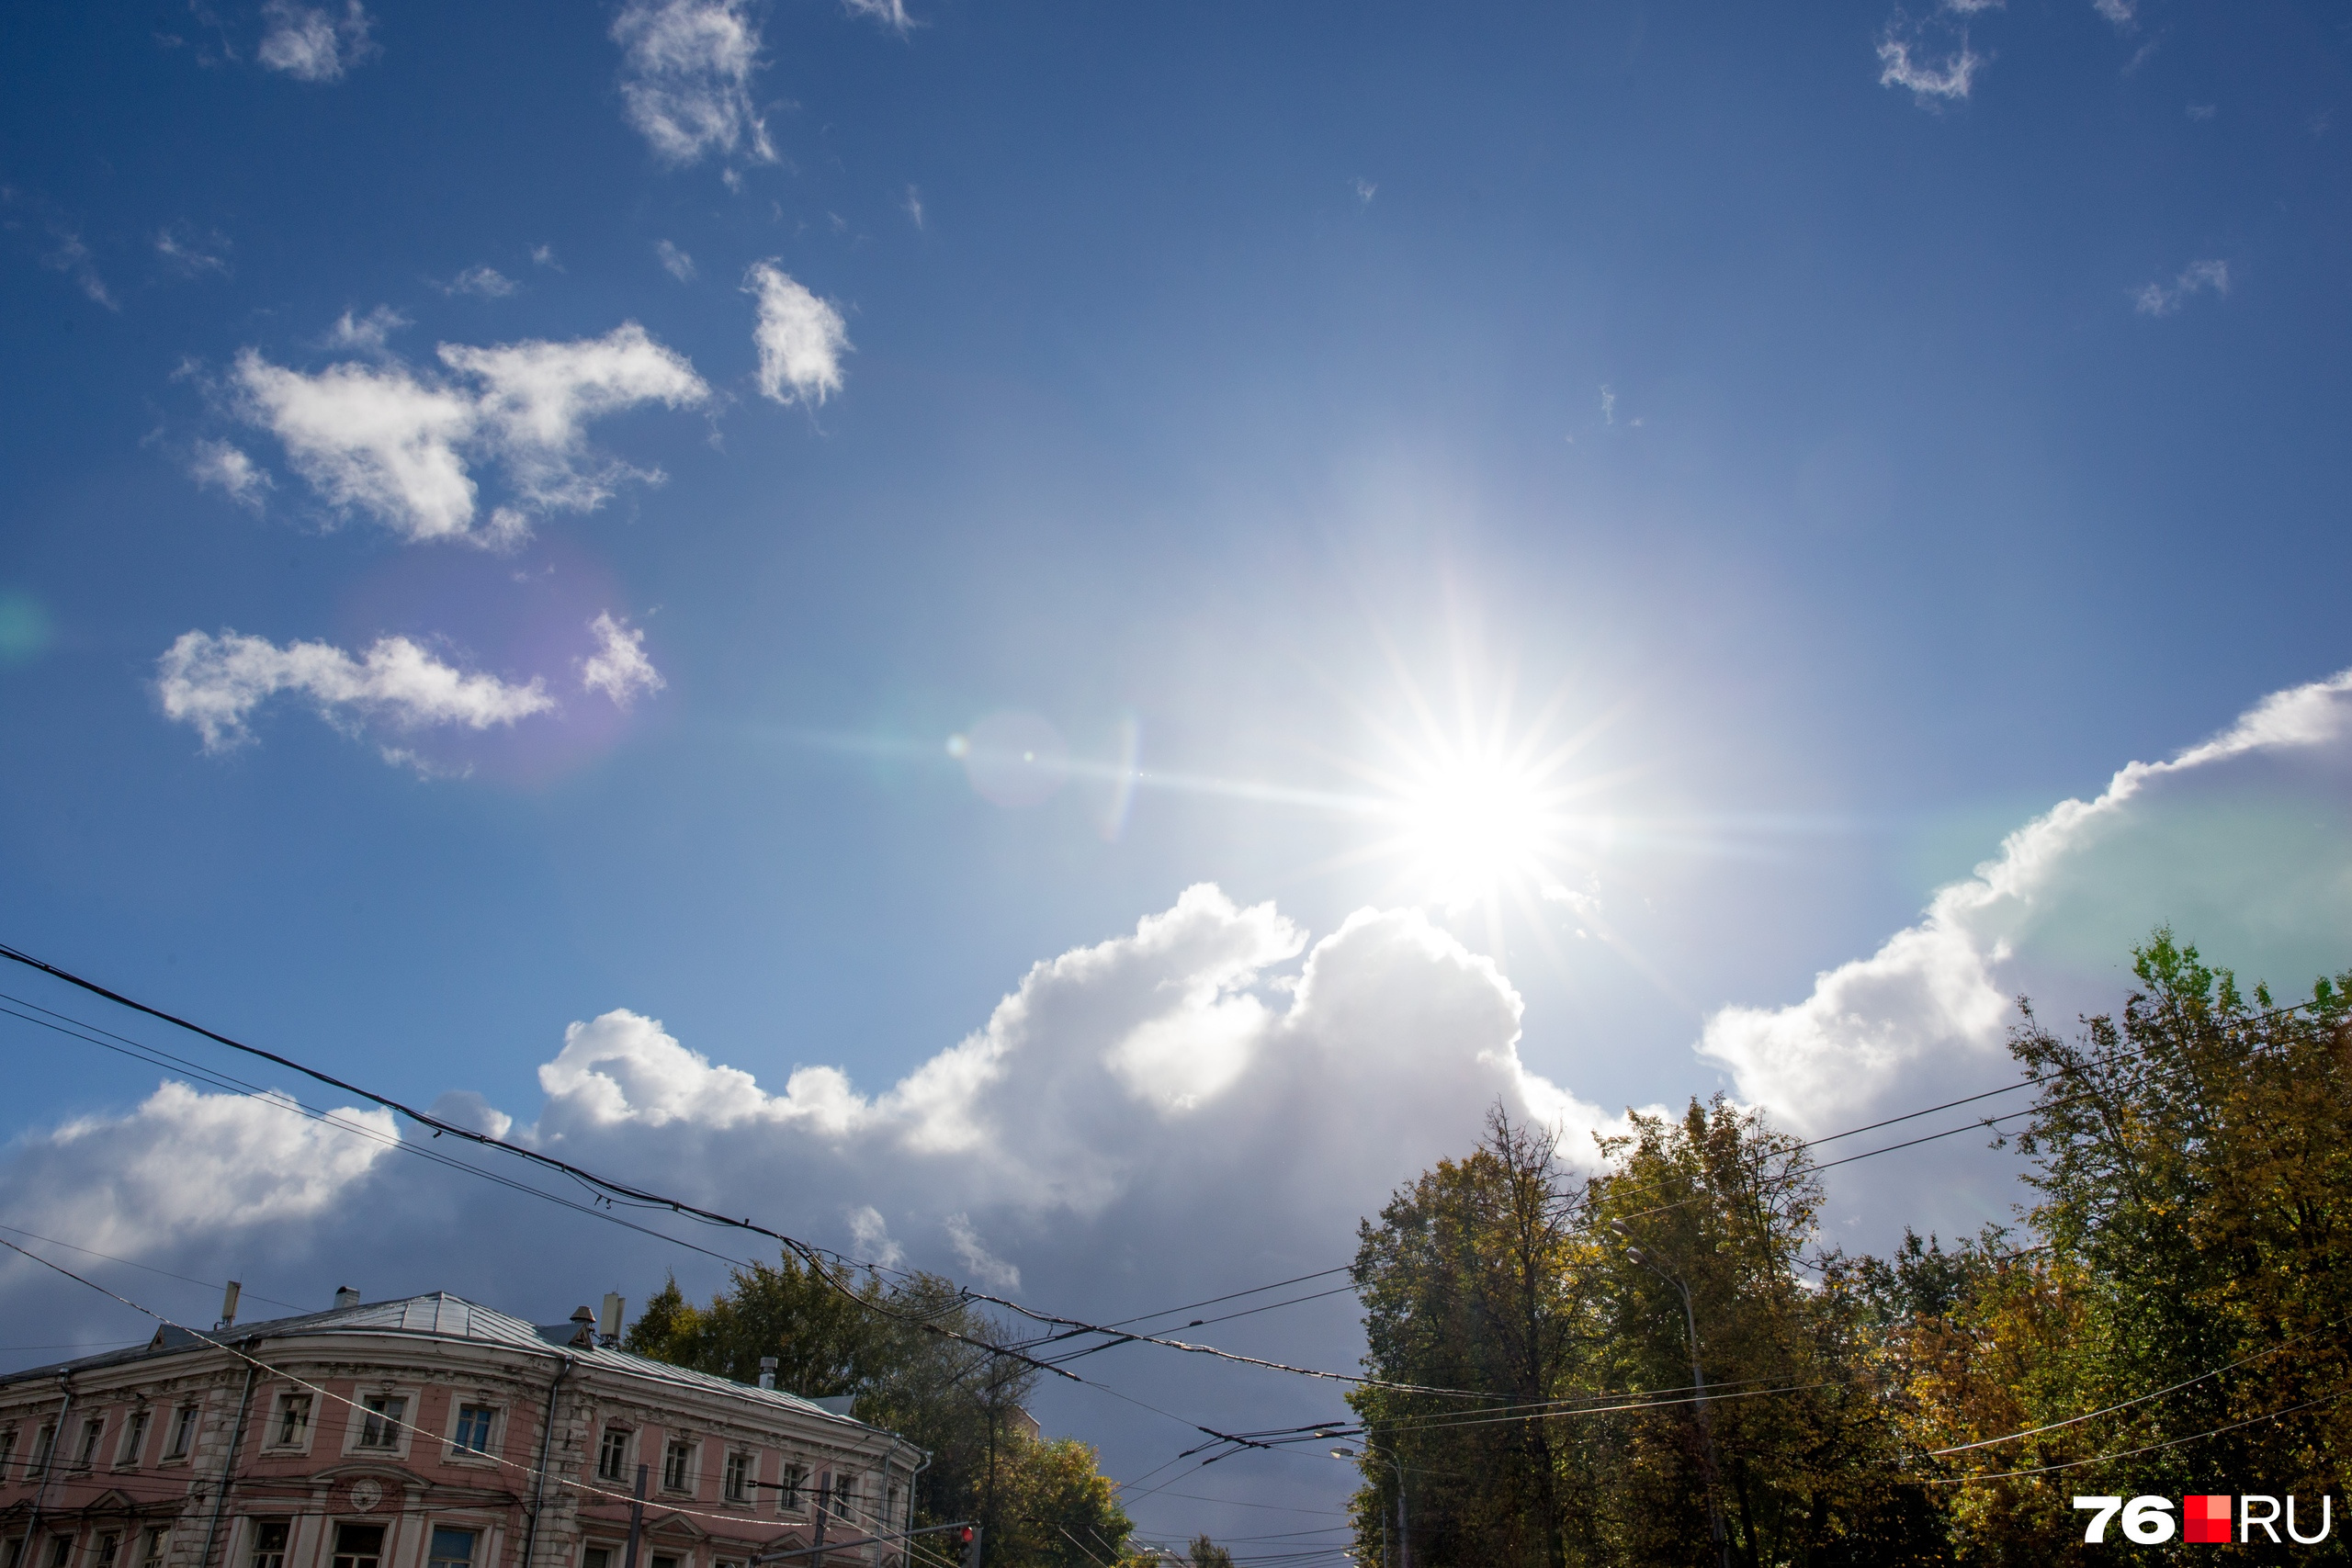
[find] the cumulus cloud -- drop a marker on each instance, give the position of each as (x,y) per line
(619,668)
(801,338)
(870,1234)
(484,282)
(386,440)
(1911,62)
(675,261)
(2160,299)
(310,43)
(686,68)
(228,469)
(2240,843)
(215,683)
(182,1159)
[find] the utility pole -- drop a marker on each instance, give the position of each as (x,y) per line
(635,1519)
(1698,1387)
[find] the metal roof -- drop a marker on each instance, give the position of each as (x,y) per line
(441,1316)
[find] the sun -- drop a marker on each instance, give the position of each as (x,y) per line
(1471,826)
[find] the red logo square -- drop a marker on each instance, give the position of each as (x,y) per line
(2205,1519)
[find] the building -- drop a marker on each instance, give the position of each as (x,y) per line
(428,1433)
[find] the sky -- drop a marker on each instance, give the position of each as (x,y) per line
(1055,642)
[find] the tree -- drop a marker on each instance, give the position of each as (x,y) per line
(921,1361)
(1208,1553)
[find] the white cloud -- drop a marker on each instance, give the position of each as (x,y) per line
(214,683)
(801,338)
(217,463)
(368,333)
(194,254)
(1969,7)
(675,261)
(2240,843)
(977,1260)
(1365,190)
(2158,299)
(619,668)
(310,43)
(536,397)
(383,440)
(71,257)
(687,69)
(870,1234)
(1927,80)
(185,1160)
(484,281)
(544,255)
(891,14)
(2119,12)
(913,205)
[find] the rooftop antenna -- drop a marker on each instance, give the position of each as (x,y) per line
(608,1328)
(228,1305)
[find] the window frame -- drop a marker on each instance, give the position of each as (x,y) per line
(687,1453)
(627,1446)
(739,1482)
(256,1534)
(106,1549)
(792,1496)
(187,1428)
(355,1426)
(334,1552)
(94,1436)
(292,1402)
(476,1534)
(133,1447)
(156,1545)
(493,1426)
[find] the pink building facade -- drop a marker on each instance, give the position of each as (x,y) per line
(427,1433)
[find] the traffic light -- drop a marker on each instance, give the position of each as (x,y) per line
(968,1538)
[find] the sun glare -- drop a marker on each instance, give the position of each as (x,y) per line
(1473,825)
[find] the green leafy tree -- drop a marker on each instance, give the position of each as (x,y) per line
(1208,1553)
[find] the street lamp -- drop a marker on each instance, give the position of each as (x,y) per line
(1699,1382)
(1403,1541)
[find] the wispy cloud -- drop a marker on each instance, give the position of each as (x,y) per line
(311,44)
(69,256)
(485,282)
(219,465)
(384,440)
(913,205)
(2121,12)
(801,337)
(368,334)
(686,68)
(1365,190)
(196,254)
(214,683)
(544,255)
(675,261)
(891,14)
(1911,62)
(2162,300)
(619,668)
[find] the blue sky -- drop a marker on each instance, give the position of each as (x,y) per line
(1859,469)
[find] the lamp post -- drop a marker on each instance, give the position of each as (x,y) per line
(1403,1541)
(1699,1384)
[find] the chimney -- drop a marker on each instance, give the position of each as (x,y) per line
(228,1305)
(767,1371)
(584,1336)
(344,1296)
(610,1325)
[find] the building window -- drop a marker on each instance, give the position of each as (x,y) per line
(738,1478)
(665,1562)
(135,1439)
(7,1457)
(381,1429)
(596,1557)
(269,1543)
(612,1453)
(796,1481)
(452,1547)
(158,1538)
(675,1459)
(890,1511)
(183,1432)
(110,1548)
(359,1546)
(61,1551)
(293,1419)
(844,1495)
(91,1430)
(43,1441)
(473,1428)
